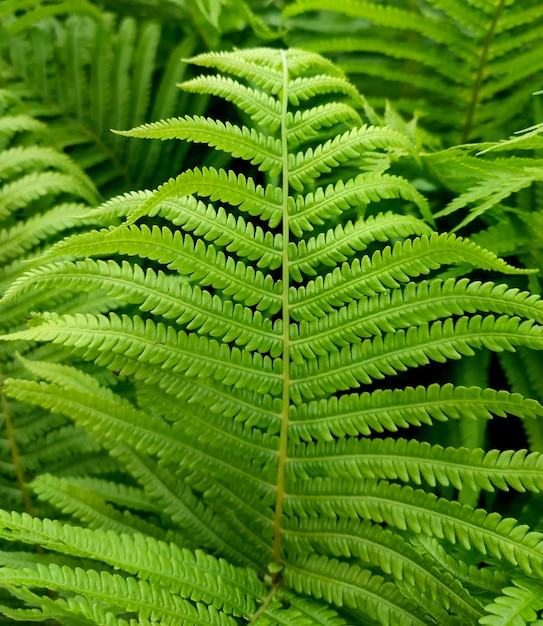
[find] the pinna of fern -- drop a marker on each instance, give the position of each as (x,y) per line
(266,314)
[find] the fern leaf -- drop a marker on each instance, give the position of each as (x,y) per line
(313,208)
(237,190)
(517,606)
(413,461)
(372,544)
(148,600)
(387,269)
(373,359)
(263,109)
(417,303)
(40,13)
(482,56)
(204,527)
(103,332)
(420,512)
(92,511)
(383,410)
(162,295)
(32,187)
(236,590)
(307,166)
(305,125)
(185,255)
(156,436)
(239,142)
(241,363)
(341,584)
(26,235)
(10,125)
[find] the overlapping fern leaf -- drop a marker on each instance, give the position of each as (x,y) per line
(468,67)
(269,313)
(83,74)
(44,196)
(492,192)
(212,20)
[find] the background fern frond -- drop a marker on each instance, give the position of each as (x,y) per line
(467,68)
(110,68)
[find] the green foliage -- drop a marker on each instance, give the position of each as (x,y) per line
(264,391)
(43,196)
(266,323)
(85,74)
(467,67)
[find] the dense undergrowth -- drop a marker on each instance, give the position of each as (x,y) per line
(271,349)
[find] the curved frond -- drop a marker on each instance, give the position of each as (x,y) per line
(420,512)
(387,409)
(416,462)
(375,545)
(88,73)
(518,604)
(388,268)
(395,352)
(467,66)
(346,585)
(237,141)
(235,591)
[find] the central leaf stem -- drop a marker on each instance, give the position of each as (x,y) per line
(14,450)
(283,439)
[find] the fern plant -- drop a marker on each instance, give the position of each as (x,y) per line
(467,67)
(265,317)
(43,196)
(84,73)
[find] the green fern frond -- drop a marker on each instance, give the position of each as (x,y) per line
(91,511)
(263,109)
(184,254)
(44,196)
(314,208)
(381,410)
(249,331)
(238,190)
(140,432)
(349,586)
(148,600)
(395,352)
(372,544)
(388,268)
(239,142)
(26,235)
(85,74)
(420,302)
(419,512)
(94,336)
(161,295)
